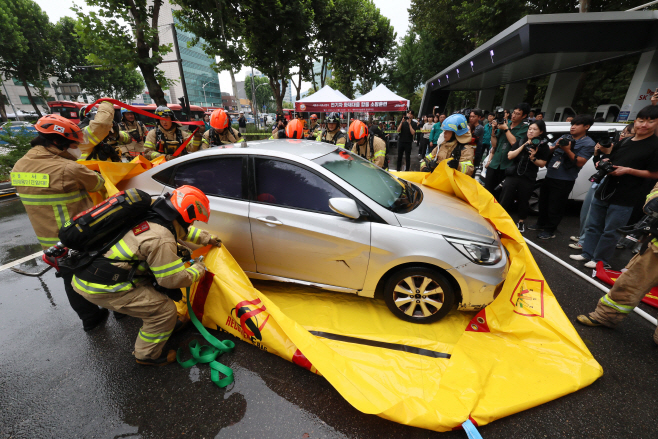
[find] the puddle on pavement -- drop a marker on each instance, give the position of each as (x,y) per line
(18,238)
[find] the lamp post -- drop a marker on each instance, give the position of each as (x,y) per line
(204,92)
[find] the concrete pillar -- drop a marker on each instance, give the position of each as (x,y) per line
(514,94)
(560,92)
(645,80)
(486,99)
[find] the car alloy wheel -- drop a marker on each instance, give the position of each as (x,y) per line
(419,295)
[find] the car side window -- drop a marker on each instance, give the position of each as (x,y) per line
(220,177)
(285,184)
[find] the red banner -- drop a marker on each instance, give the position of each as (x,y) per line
(352,106)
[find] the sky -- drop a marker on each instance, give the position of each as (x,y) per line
(396,11)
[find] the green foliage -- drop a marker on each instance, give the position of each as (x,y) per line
(289,105)
(112,44)
(18,144)
(120,82)
(28,47)
(264,95)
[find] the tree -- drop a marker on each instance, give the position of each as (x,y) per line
(12,42)
(32,46)
(122,83)
(264,95)
(113,44)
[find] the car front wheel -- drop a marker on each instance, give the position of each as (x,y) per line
(419,295)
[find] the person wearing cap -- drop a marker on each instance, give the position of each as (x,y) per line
(54,188)
(314,129)
(366,144)
(242,123)
(137,132)
(167,137)
(456,135)
(221,132)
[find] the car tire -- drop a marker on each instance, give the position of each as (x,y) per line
(533,203)
(414,306)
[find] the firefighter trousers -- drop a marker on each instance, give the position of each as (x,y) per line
(639,278)
(157,311)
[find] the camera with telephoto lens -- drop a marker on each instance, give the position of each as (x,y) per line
(605,167)
(500,115)
(612,139)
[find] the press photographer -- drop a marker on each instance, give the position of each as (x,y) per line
(528,156)
(569,155)
(634,160)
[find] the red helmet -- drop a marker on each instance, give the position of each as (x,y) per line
(358,130)
(55,124)
(191,204)
(295,129)
(219,119)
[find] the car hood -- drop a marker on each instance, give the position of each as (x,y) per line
(447,215)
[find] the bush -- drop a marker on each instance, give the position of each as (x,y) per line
(18,144)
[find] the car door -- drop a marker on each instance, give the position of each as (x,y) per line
(224,180)
(296,235)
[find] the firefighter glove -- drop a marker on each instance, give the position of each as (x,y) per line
(215,241)
(453,164)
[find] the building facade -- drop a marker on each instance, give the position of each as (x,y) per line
(13,92)
(229,103)
(201,80)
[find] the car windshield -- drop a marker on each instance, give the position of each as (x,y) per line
(386,190)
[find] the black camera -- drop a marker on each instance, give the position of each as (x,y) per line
(613,137)
(500,115)
(534,144)
(565,141)
(605,167)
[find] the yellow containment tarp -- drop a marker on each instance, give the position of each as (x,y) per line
(519,352)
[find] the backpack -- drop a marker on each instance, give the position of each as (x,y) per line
(92,229)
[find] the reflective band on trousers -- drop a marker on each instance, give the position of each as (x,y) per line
(607,301)
(154,338)
(93,288)
(168,269)
(47,242)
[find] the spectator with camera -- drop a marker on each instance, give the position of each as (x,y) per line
(502,137)
(569,155)
(477,132)
(528,156)
(630,163)
(407,130)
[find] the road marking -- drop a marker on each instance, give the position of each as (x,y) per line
(21,260)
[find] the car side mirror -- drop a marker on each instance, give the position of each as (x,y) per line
(345,206)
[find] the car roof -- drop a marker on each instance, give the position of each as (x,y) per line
(308,149)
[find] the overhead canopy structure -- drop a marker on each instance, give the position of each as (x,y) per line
(325,100)
(539,45)
(382,99)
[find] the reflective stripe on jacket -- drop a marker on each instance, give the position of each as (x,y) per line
(379,147)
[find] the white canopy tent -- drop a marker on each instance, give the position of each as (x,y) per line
(381,99)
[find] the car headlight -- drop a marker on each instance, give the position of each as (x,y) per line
(480,253)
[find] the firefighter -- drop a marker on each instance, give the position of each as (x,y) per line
(137,132)
(640,277)
(167,137)
(366,144)
(221,132)
(107,148)
(151,246)
(456,135)
(54,188)
(314,128)
(332,134)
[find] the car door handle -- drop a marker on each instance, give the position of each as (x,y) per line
(270,220)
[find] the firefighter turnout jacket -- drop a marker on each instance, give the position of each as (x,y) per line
(154,248)
(136,132)
(653,195)
(443,152)
(314,130)
(336,137)
(53,187)
(103,122)
(373,150)
(165,142)
(212,137)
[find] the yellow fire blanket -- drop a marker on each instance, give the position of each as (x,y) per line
(517,353)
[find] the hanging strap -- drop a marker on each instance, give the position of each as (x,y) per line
(207,354)
(138,111)
(184,144)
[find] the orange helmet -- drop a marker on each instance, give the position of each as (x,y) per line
(191,204)
(358,130)
(295,129)
(54,124)
(314,116)
(219,119)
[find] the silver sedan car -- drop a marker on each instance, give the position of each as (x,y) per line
(315,214)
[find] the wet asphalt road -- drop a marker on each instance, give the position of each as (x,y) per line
(57,381)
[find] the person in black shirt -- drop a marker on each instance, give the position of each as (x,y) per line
(634,160)
(529,155)
(407,130)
